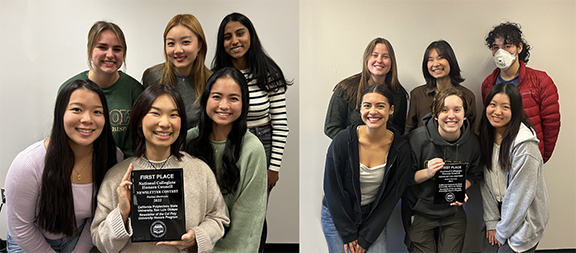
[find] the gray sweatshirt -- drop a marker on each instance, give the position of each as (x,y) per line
(525,207)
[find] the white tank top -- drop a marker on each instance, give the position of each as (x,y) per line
(370,181)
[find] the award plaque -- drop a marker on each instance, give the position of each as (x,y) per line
(157,205)
(450,183)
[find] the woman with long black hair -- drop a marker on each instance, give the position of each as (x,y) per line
(235,155)
(51,186)
(514,193)
(158,131)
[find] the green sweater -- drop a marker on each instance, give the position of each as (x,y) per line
(120,98)
(247,207)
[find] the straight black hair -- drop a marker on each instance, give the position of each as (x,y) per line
(56,203)
(487,130)
(268,74)
(200,146)
(445,50)
(142,107)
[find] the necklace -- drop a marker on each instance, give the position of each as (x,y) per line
(151,164)
(79,172)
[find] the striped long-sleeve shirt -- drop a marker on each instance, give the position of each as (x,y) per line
(269,107)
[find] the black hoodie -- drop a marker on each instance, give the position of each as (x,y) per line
(427,143)
(342,187)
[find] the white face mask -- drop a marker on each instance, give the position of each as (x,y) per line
(504,59)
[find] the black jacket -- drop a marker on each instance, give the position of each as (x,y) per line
(342,187)
(427,144)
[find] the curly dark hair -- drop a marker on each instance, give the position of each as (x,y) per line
(511,34)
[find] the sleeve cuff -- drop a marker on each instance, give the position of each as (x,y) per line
(117,225)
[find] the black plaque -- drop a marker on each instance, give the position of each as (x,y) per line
(450,183)
(157,205)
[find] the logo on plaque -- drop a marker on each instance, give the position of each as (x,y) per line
(158,229)
(450,197)
(450,183)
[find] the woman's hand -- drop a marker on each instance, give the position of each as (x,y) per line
(124,194)
(350,246)
(359,249)
(273,177)
(353,247)
(188,240)
(456,203)
(491,235)
(434,165)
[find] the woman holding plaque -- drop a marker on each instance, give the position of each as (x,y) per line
(514,193)
(235,155)
(365,175)
(51,186)
(445,138)
(158,124)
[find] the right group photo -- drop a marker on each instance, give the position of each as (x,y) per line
(437,126)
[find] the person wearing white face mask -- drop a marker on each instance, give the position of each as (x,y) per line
(511,52)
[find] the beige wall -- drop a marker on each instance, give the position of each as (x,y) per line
(43,43)
(333,35)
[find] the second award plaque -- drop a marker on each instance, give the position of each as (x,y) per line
(450,183)
(157,205)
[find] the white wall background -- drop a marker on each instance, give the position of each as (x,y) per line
(333,35)
(317,43)
(43,43)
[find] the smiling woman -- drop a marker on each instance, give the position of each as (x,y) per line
(366,172)
(446,136)
(235,155)
(379,68)
(158,125)
(106,53)
(184,52)
(50,186)
(441,71)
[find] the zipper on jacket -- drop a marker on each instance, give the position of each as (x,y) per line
(386,174)
(358,196)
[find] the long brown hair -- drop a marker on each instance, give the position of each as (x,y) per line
(200,72)
(351,88)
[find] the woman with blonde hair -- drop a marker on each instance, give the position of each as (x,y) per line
(379,67)
(184,50)
(106,53)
